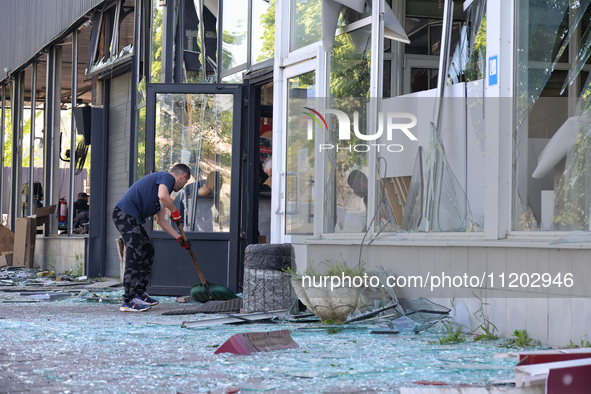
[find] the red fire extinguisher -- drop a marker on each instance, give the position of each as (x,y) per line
(63,210)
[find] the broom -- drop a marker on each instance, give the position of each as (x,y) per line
(205,290)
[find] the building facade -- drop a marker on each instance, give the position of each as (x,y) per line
(414,137)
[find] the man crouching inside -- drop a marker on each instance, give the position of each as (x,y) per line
(147,197)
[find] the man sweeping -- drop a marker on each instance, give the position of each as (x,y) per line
(146,197)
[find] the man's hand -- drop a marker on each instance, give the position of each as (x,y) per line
(184,244)
(176,217)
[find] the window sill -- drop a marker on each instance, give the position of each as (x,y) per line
(541,241)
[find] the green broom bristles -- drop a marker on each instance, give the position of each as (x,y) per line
(218,292)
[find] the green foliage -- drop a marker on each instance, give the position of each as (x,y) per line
(521,339)
(451,336)
(336,268)
(350,67)
(268,23)
(8,138)
(291,273)
(141,142)
(332,331)
(487,328)
(156,47)
(307,24)
(79,270)
(582,344)
(476,62)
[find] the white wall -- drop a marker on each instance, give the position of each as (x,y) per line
(554,317)
(60,254)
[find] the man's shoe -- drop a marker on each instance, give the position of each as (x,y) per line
(134,306)
(145,299)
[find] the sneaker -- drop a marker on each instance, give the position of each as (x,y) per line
(145,299)
(134,306)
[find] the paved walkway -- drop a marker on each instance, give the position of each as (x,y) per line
(77,346)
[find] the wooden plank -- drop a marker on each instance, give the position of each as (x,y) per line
(24,242)
(6,239)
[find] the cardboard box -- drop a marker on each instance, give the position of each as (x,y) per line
(5,260)
(24,242)
(42,213)
(6,240)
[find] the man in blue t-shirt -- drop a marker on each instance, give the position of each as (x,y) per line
(146,197)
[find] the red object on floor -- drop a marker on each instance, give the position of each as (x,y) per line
(528,359)
(250,342)
(430,383)
(571,380)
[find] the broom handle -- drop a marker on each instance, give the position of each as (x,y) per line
(203,281)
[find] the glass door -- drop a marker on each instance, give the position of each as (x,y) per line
(198,125)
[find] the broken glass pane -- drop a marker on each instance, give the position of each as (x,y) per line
(572,201)
(580,60)
(468,60)
(539,38)
(440,202)
(199,41)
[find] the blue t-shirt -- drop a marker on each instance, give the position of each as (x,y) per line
(141,200)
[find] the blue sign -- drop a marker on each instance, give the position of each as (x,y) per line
(493,70)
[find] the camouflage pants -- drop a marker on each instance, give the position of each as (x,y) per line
(139,254)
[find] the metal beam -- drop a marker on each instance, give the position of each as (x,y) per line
(71,211)
(32,135)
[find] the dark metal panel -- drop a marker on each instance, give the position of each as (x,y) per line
(29,26)
(98,179)
(178,275)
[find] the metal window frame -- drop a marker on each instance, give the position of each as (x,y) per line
(32,134)
(2,131)
(17,106)
(113,45)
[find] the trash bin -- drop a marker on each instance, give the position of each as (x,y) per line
(266,286)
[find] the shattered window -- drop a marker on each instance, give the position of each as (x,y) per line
(550,140)
(469,53)
(425,183)
(200,38)
(111,42)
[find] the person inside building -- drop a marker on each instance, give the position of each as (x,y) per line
(81,204)
(357,181)
(148,196)
(265,176)
(81,214)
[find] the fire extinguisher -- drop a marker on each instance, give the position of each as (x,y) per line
(63,210)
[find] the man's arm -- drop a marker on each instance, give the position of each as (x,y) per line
(164,196)
(165,224)
(165,199)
